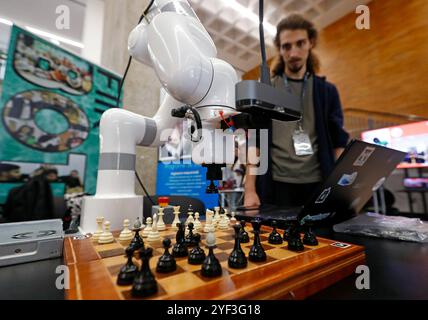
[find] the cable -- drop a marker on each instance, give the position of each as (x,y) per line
(264,68)
(122,81)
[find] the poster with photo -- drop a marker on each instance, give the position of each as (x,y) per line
(50,109)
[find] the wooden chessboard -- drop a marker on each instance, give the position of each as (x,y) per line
(285,274)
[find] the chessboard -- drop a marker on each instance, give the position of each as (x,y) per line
(94,267)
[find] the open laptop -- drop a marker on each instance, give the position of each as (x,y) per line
(361,168)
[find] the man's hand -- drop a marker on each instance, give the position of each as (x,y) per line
(251,199)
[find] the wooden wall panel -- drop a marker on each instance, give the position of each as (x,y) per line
(381,69)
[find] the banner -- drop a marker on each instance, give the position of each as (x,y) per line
(50,108)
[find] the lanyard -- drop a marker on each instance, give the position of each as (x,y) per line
(302,95)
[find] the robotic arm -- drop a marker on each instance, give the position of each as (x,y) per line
(172,41)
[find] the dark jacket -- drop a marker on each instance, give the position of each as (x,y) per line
(330,132)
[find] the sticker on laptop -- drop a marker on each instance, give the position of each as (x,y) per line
(347,179)
(364,156)
(323,196)
(340,245)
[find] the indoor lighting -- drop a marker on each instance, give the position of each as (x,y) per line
(271,29)
(54,37)
(4,21)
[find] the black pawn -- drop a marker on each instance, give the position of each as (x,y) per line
(274,237)
(309,238)
(145,283)
(294,241)
(211,267)
(166,262)
(287,232)
(137,242)
(237,258)
(190,238)
(197,254)
(257,253)
(129,270)
(180,247)
(243,235)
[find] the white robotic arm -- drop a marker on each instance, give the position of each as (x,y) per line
(174,43)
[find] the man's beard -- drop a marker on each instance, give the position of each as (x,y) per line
(295,68)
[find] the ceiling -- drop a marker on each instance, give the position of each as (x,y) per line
(236,36)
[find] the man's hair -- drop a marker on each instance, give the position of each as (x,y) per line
(295,22)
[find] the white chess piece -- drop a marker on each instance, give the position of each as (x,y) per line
(227,217)
(209,226)
(216,219)
(106,236)
(161,224)
(99,231)
(154,233)
(126,234)
(233,219)
(148,228)
(197,224)
(190,217)
(223,224)
(176,218)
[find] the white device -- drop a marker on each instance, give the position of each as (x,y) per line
(173,42)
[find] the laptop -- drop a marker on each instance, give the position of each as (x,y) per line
(362,168)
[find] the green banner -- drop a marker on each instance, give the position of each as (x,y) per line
(50,109)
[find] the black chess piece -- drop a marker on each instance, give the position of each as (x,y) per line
(137,242)
(287,232)
(243,234)
(294,240)
(237,258)
(144,283)
(129,270)
(274,237)
(211,267)
(166,262)
(197,254)
(310,238)
(190,238)
(257,253)
(180,246)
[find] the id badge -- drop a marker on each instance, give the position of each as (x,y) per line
(302,143)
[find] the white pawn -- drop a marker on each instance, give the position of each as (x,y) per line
(154,233)
(209,227)
(176,219)
(148,228)
(216,219)
(100,230)
(161,224)
(223,224)
(197,224)
(227,217)
(126,234)
(106,236)
(233,219)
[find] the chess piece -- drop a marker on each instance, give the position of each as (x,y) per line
(197,224)
(274,237)
(161,224)
(257,253)
(126,234)
(216,218)
(148,228)
(166,262)
(237,258)
(154,234)
(208,222)
(189,215)
(137,242)
(180,247)
(309,238)
(106,236)
(211,267)
(144,283)
(190,238)
(129,270)
(233,219)
(286,235)
(294,241)
(197,254)
(224,223)
(99,231)
(176,217)
(244,234)
(226,214)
